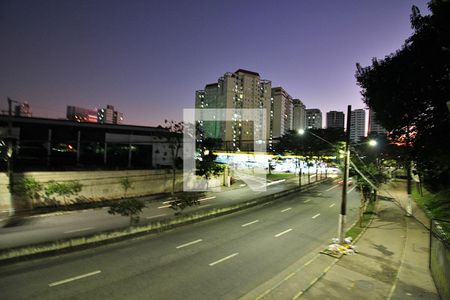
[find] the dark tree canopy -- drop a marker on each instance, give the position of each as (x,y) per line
(409,90)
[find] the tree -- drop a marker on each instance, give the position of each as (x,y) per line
(206,166)
(63,189)
(126,185)
(408,91)
(175,139)
(314,144)
(128,208)
(28,188)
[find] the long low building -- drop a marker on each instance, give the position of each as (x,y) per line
(51,144)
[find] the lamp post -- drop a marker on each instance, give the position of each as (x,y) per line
(10,155)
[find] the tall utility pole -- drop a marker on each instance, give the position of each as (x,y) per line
(10,155)
(342,215)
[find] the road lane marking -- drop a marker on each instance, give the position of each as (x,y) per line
(155,216)
(333,187)
(332,204)
(351,190)
(284,232)
(78,230)
(74,278)
(319,194)
(223,259)
(286,209)
(207,198)
(315,216)
(306,201)
(250,223)
(275,182)
(164,206)
(190,243)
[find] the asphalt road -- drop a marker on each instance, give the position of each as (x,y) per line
(54,227)
(222,258)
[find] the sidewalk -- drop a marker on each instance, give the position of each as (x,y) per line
(391,263)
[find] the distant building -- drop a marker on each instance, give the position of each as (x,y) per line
(49,144)
(282,112)
(80,114)
(299,115)
(335,119)
(313,118)
(23,110)
(374,125)
(241,89)
(357,125)
(109,116)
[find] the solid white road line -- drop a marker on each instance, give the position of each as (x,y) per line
(284,232)
(306,201)
(78,230)
(207,198)
(315,216)
(250,223)
(155,216)
(351,190)
(286,209)
(190,243)
(333,187)
(74,278)
(332,204)
(275,182)
(223,259)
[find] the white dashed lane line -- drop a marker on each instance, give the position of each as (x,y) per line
(223,259)
(281,233)
(249,223)
(78,230)
(331,205)
(189,244)
(74,278)
(306,201)
(286,209)
(351,190)
(333,187)
(155,216)
(315,216)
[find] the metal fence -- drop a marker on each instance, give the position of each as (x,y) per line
(440,256)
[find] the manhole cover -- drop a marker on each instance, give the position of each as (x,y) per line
(364,284)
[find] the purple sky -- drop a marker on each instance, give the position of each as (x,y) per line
(147,58)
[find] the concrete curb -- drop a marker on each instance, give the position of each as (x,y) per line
(72,244)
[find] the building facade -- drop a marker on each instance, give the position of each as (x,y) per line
(298,115)
(242,89)
(80,114)
(335,119)
(374,126)
(23,110)
(357,125)
(109,116)
(313,118)
(282,110)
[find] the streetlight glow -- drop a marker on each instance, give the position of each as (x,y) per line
(301,131)
(372,143)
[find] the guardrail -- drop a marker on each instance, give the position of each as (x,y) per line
(440,256)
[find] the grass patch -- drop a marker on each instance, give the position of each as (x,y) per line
(356,229)
(280,176)
(437,204)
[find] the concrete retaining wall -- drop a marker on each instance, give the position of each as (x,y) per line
(96,186)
